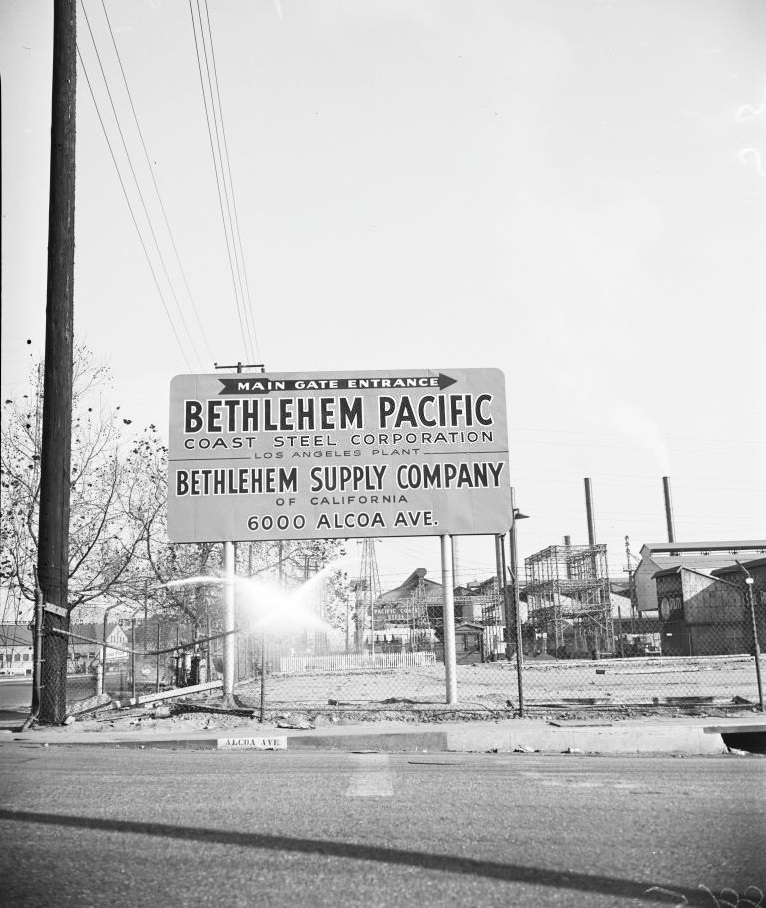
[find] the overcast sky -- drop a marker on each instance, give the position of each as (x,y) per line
(572,192)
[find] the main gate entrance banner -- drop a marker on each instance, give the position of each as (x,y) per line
(269,456)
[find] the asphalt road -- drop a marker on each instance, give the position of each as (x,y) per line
(15,692)
(16,697)
(99,826)
(15,700)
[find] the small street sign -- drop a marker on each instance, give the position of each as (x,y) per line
(248,743)
(55,610)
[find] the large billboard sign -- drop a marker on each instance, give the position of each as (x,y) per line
(337,455)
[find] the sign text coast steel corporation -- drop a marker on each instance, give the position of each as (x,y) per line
(352,454)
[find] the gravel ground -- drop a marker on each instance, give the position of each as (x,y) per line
(494,686)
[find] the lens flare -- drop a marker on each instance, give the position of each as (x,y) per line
(267,606)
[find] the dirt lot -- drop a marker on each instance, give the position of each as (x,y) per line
(715,683)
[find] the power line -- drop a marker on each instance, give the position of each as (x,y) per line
(135,179)
(626,483)
(637,446)
(156,187)
(238,304)
(132,213)
(249,307)
(652,476)
(617,434)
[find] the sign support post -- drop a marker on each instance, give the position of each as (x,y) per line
(448,585)
(228,625)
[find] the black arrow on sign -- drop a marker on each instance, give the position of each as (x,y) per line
(261,384)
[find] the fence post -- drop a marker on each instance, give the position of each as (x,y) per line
(103,652)
(133,656)
(38,653)
(263,676)
(517,602)
(208,662)
(756,647)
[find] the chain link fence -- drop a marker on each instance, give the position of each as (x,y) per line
(129,658)
(698,649)
(696,653)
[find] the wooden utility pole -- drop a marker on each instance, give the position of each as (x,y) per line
(55,468)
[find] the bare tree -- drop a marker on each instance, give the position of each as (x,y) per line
(115,489)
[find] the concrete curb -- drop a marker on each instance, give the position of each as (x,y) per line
(386,742)
(613,740)
(692,737)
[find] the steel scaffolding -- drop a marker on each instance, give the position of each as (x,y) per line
(568,598)
(367,589)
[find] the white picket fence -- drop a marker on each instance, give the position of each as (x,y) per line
(341,662)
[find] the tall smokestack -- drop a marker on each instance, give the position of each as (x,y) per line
(568,545)
(668,509)
(589,512)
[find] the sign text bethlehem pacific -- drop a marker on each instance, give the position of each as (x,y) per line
(415,460)
(309,414)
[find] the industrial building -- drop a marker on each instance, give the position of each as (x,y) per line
(703,614)
(706,557)
(410,617)
(16,649)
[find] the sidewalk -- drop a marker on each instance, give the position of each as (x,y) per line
(669,736)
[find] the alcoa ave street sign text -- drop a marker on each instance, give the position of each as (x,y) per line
(338,455)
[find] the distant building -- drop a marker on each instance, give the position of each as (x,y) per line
(411,616)
(86,644)
(702,614)
(407,614)
(470,644)
(16,648)
(700,556)
(757,570)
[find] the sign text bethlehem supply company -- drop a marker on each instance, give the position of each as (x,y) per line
(337,455)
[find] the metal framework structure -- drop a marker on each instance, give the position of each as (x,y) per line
(568,597)
(368,592)
(486,608)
